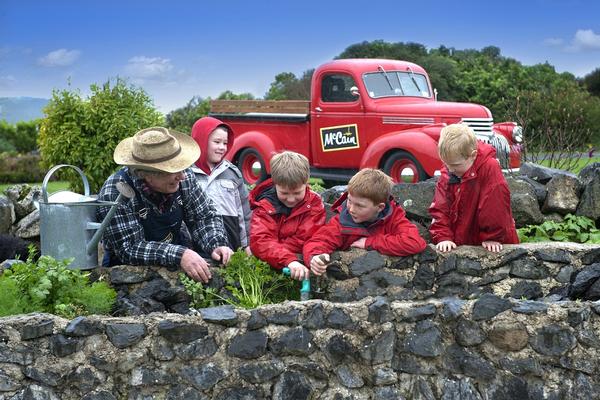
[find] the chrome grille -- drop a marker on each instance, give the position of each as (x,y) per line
(481,126)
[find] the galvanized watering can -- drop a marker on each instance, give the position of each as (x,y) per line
(68,226)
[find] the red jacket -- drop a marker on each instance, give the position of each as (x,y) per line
(391,234)
(277,238)
(477,208)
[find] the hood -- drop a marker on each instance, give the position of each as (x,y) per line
(436,109)
(484,152)
(200,132)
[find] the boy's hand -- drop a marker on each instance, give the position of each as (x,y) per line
(360,243)
(445,246)
(298,271)
(222,254)
(248,251)
(318,264)
(494,247)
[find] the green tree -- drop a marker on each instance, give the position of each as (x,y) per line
(592,82)
(289,87)
(85,132)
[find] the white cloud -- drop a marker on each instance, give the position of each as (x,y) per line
(553,42)
(7,81)
(585,39)
(59,58)
(141,67)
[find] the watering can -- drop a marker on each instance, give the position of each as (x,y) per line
(68,226)
(305,289)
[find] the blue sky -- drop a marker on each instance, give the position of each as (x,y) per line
(177,49)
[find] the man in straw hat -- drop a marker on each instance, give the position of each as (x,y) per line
(146,230)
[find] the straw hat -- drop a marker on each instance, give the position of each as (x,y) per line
(157,149)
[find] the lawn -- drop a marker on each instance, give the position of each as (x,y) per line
(53,186)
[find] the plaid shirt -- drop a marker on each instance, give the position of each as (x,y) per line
(124,235)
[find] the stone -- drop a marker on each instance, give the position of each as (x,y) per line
(384,376)
(184,392)
(162,351)
(469,267)
(292,386)
(526,290)
(7,384)
(593,292)
(589,203)
(203,377)
(125,335)
(460,360)
(429,255)
(380,349)
(540,173)
(552,255)
(256,321)
(415,198)
(425,340)
(85,379)
(240,394)
(289,317)
(424,277)
(37,329)
(333,193)
(198,349)
(459,390)
(249,345)
(514,254)
(128,274)
(377,282)
(452,284)
(380,311)
(371,261)
(508,336)
(525,210)
(83,326)
(338,319)
(528,268)
(100,395)
(222,315)
(587,173)
(563,194)
(488,306)
(582,388)
(314,318)
(46,377)
(62,346)
(28,227)
(468,333)
(447,264)
(584,365)
(310,368)
(173,296)
(591,256)
(35,392)
(530,307)
(153,288)
(583,279)
(339,350)
(524,366)
(552,340)
(410,364)
(588,338)
(143,376)
(564,275)
(452,308)
(421,390)
(418,313)
(7,214)
(578,316)
(146,305)
(387,393)
(181,332)
(261,372)
(509,388)
(349,378)
(296,341)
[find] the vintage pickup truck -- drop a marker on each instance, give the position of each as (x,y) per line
(362,113)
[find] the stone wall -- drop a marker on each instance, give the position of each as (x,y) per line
(489,348)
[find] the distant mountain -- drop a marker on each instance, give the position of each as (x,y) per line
(15,109)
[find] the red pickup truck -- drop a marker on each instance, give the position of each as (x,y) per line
(362,113)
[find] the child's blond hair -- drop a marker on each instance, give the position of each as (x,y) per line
(372,184)
(289,169)
(457,140)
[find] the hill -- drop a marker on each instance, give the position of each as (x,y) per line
(15,109)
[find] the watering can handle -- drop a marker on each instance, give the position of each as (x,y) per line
(86,185)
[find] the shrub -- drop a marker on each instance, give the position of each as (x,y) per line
(20,168)
(573,228)
(50,286)
(85,133)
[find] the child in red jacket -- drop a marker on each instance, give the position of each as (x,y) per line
(471,205)
(367,218)
(285,214)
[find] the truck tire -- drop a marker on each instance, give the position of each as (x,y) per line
(404,168)
(252,166)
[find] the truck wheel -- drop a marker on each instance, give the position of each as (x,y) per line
(404,168)
(252,166)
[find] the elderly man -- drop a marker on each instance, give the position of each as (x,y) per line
(146,230)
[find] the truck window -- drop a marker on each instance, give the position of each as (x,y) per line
(396,83)
(336,88)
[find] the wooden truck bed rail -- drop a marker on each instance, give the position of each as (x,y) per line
(260,106)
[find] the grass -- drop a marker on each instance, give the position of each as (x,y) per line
(577,165)
(52,187)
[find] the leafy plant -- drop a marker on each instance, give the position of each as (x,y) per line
(573,228)
(50,286)
(249,283)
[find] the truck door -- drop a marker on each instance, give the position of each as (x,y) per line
(337,123)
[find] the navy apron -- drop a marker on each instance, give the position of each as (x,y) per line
(164,227)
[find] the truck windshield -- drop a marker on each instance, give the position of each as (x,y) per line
(396,83)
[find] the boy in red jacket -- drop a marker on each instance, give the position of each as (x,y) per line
(471,205)
(285,214)
(367,218)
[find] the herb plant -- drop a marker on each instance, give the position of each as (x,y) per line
(573,228)
(50,286)
(249,283)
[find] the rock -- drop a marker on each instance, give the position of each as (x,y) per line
(589,172)
(261,372)
(525,366)
(552,340)
(125,335)
(314,318)
(338,319)
(46,377)
(468,333)
(410,364)
(380,349)
(530,307)
(7,384)
(488,306)
(529,268)
(452,284)
(222,315)
(37,329)
(469,267)
(349,378)
(421,390)
(292,386)
(526,290)
(415,199)
(552,255)
(540,173)
(295,341)
(23,197)
(198,349)
(128,274)
(583,279)
(28,227)
(380,311)
(181,332)
(100,395)
(371,261)
(424,277)
(7,214)
(425,340)
(239,394)
(62,346)
(524,184)
(256,321)
(460,360)
(339,350)
(508,336)
(525,210)
(203,377)
(589,203)
(452,308)
(83,326)
(143,376)
(508,388)
(288,317)
(384,376)
(563,194)
(333,193)
(564,275)
(251,344)
(418,313)
(459,390)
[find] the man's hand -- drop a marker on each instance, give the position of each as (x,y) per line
(494,247)
(195,266)
(248,250)
(445,246)
(298,271)
(360,243)
(222,254)
(318,264)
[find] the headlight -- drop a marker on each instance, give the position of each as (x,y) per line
(517,134)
